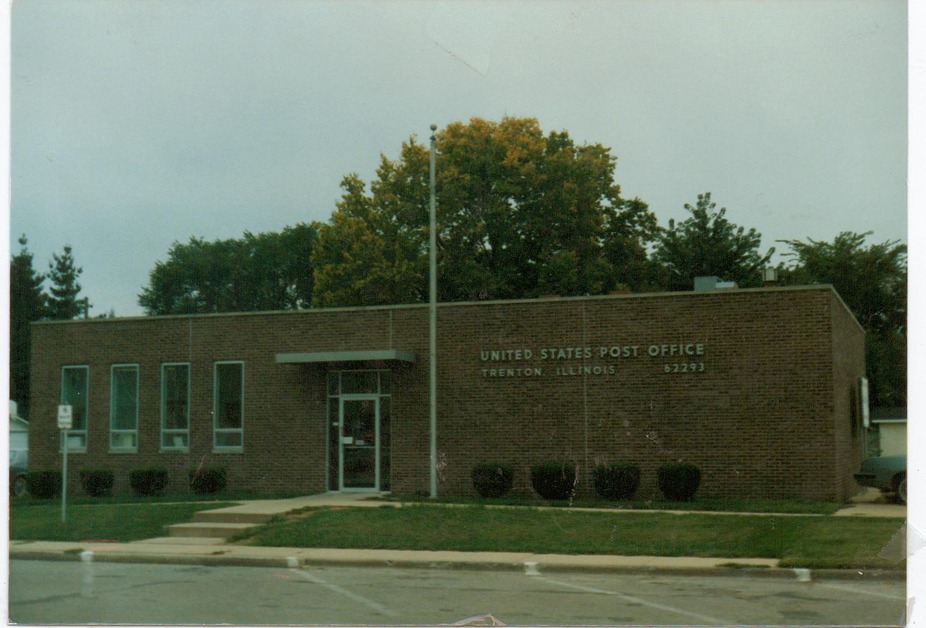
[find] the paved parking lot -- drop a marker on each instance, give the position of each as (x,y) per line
(47,592)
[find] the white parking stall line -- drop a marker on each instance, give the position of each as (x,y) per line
(376,606)
(839,587)
(664,607)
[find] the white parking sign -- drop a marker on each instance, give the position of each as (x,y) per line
(65,417)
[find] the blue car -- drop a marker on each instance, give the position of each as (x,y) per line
(18,486)
(888,473)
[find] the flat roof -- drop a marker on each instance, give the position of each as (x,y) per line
(345,356)
(548,299)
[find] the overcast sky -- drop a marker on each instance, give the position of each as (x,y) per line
(137,124)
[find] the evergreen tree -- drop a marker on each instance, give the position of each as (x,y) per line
(64,304)
(27,304)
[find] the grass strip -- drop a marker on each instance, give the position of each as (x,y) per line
(225,496)
(798,541)
(793,506)
(110,522)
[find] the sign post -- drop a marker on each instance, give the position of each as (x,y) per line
(65,421)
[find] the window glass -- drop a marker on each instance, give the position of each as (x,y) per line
(74,393)
(385,443)
(228,438)
(229,404)
(74,382)
(175,406)
(334,427)
(359,382)
(124,408)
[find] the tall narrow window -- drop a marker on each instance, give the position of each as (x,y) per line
(123,408)
(228,426)
(175,407)
(74,382)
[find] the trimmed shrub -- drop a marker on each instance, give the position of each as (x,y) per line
(44,483)
(208,480)
(555,481)
(617,481)
(492,479)
(147,481)
(97,482)
(679,481)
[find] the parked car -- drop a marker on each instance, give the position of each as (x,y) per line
(19,451)
(18,485)
(888,473)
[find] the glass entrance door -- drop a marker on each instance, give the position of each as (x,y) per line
(359,443)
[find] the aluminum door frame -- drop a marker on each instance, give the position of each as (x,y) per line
(374,397)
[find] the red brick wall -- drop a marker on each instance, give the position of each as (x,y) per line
(848,340)
(767,417)
(756,420)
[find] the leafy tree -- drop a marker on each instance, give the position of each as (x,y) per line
(63,303)
(27,304)
(196,278)
(520,214)
(362,258)
(267,271)
(707,244)
(872,280)
(277,269)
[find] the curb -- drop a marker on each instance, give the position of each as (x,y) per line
(529,568)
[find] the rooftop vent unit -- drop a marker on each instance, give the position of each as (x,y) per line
(708,284)
(769,276)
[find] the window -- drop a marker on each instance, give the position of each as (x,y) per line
(74,382)
(123,408)
(228,413)
(175,406)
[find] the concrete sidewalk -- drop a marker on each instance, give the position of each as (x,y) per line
(243,555)
(869,503)
(214,551)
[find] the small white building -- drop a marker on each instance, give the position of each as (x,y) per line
(892,430)
(19,438)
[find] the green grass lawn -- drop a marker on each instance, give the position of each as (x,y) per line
(795,506)
(224,496)
(798,541)
(41,521)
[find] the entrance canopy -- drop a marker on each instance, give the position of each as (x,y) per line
(345,356)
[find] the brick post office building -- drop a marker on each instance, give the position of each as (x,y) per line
(758,388)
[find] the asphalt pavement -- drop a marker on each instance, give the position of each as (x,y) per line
(52,593)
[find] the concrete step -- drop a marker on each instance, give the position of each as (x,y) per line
(182,540)
(222,516)
(214,530)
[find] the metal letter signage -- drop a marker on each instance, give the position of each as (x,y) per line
(607,359)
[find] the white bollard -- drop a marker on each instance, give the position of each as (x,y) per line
(86,585)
